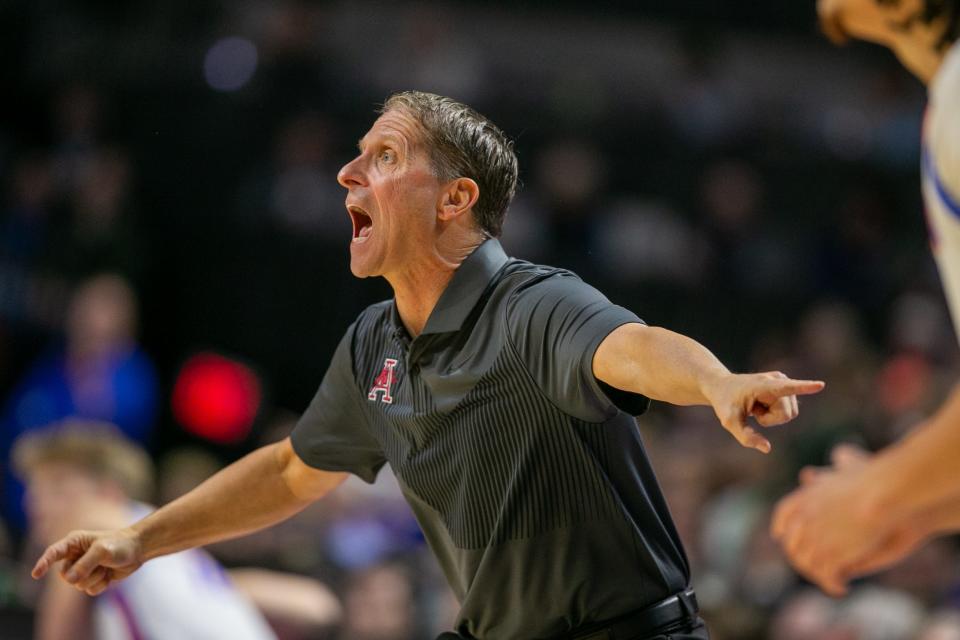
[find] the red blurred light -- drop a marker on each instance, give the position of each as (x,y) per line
(216,398)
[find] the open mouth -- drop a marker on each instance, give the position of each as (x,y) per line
(362,223)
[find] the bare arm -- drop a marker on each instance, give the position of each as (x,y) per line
(920,472)
(664,365)
(866,513)
(261,489)
(267,486)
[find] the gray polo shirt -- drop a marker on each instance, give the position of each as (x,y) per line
(526,474)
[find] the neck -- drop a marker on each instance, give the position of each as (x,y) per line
(418,288)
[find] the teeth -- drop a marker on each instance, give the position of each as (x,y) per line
(364,233)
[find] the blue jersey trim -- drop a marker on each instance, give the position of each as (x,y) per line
(930,171)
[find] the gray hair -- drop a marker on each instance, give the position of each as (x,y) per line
(463,143)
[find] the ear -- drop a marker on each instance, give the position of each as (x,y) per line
(457,198)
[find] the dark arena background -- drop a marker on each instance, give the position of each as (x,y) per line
(168,175)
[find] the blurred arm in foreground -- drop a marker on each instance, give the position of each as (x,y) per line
(866,514)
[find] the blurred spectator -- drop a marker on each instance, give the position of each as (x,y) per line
(98,372)
(854,258)
(27,217)
(380,604)
(182,469)
(806,615)
(942,625)
(297,607)
(101,233)
(86,475)
(571,175)
(748,255)
(641,241)
(929,575)
(30,296)
(300,194)
(77,115)
(434,58)
(873,613)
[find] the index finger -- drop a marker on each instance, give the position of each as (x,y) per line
(789,387)
(54,553)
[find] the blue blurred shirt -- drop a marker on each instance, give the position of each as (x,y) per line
(120,388)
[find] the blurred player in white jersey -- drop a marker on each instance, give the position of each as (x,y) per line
(867,512)
(87,475)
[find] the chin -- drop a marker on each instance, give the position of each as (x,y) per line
(365,263)
(360,269)
(358,273)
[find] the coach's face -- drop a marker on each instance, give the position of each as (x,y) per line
(392,197)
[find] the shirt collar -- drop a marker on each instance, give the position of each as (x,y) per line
(463,291)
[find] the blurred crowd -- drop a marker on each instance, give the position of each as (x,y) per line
(168,193)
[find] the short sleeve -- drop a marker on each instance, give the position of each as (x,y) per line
(332,434)
(556,325)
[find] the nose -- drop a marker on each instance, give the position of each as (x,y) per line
(351,175)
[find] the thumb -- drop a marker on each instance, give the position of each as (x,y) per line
(847,455)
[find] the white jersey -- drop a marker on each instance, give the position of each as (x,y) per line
(184,596)
(941,176)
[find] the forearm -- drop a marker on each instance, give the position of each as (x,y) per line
(919,474)
(659,364)
(250,494)
(942,519)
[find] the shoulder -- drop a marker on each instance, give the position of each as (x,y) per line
(520,278)
(371,321)
(376,311)
(534,286)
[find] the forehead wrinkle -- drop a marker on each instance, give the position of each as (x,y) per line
(403,126)
(396,136)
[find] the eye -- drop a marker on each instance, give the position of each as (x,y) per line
(388,155)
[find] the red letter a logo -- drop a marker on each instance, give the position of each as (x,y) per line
(383,382)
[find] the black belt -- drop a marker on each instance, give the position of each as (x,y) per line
(678,609)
